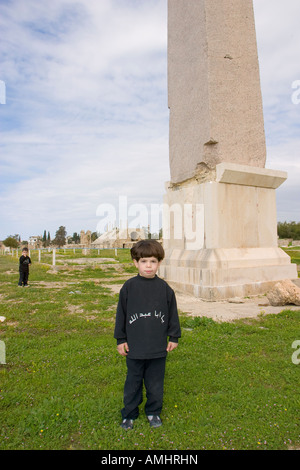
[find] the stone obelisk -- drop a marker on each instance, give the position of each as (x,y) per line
(220,222)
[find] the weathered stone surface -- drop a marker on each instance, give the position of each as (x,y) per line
(214,92)
(219,217)
(220,238)
(284,293)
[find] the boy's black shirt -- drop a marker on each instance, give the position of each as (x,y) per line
(24,263)
(146,316)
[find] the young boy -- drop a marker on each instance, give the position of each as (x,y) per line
(24,263)
(146,316)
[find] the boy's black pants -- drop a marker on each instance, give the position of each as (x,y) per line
(23,278)
(152,373)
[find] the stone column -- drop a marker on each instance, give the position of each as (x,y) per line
(220,223)
(214,92)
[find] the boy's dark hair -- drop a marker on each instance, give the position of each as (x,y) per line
(147,249)
(24,248)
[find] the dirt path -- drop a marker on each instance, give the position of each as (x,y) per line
(233,309)
(230,310)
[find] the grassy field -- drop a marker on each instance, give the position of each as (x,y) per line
(294,253)
(228,385)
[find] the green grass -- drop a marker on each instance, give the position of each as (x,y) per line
(294,253)
(227,386)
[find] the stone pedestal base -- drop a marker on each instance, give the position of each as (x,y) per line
(220,236)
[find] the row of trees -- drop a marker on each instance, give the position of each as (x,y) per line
(60,239)
(14,241)
(284,230)
(289,230)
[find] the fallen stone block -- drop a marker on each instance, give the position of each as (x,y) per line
(284,293)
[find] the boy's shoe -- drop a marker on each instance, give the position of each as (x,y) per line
(127,424)
(154,421)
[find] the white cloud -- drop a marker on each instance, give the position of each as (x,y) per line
(86,108)
(278,38)
(86,116)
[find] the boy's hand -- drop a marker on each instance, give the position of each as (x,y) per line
(171,346)
(123,349)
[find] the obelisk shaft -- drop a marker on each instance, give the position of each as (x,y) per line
(215,102)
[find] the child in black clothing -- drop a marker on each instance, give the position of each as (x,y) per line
(146,316)
(24,263)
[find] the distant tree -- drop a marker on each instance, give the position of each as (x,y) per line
(60,236)
(289,230)
(94,236)
(11,242)
(76,238)
(44,239)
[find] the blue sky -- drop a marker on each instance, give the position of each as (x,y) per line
(86,113)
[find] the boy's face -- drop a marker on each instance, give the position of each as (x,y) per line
(24,253)
(147,266)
